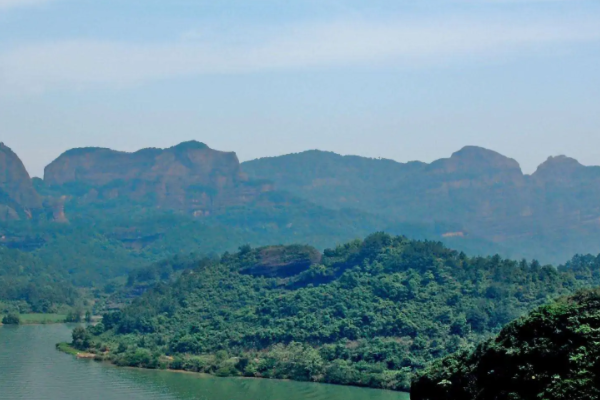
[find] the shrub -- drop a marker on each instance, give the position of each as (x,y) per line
(11,319)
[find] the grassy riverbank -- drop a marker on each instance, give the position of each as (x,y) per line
(39,319)
(27,319)
(67,348)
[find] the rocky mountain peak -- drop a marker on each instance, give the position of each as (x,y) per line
(473,157)
(191,145)
(557,169)
(479,164)
(17,194)
(189,176)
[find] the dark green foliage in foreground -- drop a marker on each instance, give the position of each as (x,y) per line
(552,354)
(370,313)
(11,319)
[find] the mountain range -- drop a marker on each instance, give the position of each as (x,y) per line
(476,200)
(475,196)
(473,184)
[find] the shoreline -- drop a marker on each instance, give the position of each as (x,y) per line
(68,349)
(38,323)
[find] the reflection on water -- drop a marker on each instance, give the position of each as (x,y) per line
(31,369)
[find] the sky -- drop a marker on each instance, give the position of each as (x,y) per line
(399,79)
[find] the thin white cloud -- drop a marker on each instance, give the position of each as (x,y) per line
(343,43)
(6,4)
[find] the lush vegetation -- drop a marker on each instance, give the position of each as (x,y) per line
(552,354)
(31,285)
(11,319)
(45,265)
(43,318)
(371,312)
(67,348)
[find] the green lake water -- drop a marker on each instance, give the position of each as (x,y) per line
(31,369)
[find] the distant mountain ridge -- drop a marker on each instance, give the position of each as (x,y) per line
(476,200)
(476,193)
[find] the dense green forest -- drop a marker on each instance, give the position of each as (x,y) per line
(29,284)
(103,243)
(64,268)
(370,312)
(551,354)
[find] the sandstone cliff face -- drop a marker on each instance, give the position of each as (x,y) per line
(189,176)
(18,197)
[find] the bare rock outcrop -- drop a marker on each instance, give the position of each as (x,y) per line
(282,261)
(18,197)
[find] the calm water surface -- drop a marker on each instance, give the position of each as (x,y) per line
(31,369)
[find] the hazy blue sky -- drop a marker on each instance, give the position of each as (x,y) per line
(382,78)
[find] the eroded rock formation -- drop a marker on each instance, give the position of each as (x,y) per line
(190,176)
(18,198)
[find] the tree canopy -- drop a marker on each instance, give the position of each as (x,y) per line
(551,354)
(370,312)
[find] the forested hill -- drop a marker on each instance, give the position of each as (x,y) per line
(474,196)
(101,245)
(551,354)
(370,312)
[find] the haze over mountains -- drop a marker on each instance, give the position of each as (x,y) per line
(477,199)
(474,194)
